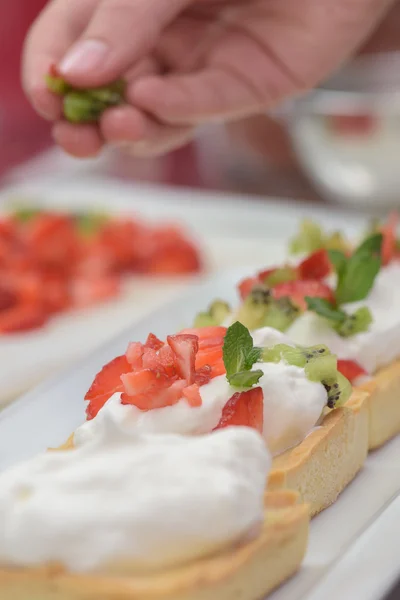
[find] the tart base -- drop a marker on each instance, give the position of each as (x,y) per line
(384,405)
(248,571)
(329,458)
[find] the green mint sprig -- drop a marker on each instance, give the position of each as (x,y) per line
(356,275)
(344,323)
(239,356)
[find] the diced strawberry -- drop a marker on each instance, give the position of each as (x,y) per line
(192,395)
(55,293)
(208,336)
(389,238)
(154,398)
(106,383)
(150,360)
(315,266)
(153,342)
(203,375)
(247,285)
(358,125)
(134,355)
(166,357)
(22,317)
(174,260)
(86,291)
(185,348)
(8,298)
(218,368)
(144,382)
(244,409)
(298,290)
(208,357)
(350,369)
(52,239)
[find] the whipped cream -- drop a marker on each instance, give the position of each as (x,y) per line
(133,502)
(292,405)
(375,348)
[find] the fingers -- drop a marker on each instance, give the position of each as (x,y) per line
(81,141)
(268,50)
(208,95)
(49,38)
(140,135)
(119,33)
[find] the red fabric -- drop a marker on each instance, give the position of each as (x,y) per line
(22,132)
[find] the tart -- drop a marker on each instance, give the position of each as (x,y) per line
(319,438)
(322,466)
(248,571)
(341,296)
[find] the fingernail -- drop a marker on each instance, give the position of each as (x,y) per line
(83,57)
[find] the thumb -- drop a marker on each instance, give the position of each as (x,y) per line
(119,33)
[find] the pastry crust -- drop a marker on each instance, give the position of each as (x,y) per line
(248,571)
(384,405)
(329,458)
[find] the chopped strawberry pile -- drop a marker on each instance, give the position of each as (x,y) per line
(308,281)
(52,262)
(244,409)
(158,374)
(350,369)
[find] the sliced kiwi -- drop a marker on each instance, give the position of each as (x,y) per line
(261,309)
(321,368)
(297,356)
(219,311)
(215,315)
(281,276)
(355,323)
(281,314)
(309,238)
(339,390)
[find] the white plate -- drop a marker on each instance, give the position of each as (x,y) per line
(233,231)
(353,550)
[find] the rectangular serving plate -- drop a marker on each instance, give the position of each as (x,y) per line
(364,520)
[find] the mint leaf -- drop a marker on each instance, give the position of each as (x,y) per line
(339,260)
(239,354)
(372,245)
(358,278)
(323,308)
(246,378)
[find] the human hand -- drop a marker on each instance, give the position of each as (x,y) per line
(186,62)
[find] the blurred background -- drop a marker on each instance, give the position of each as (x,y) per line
(339,144)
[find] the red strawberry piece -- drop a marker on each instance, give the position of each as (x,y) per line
(185,348)
(246,286)
(209,337)
(350,369)
(166,358)
(134,355)
(86,291)
(52,240)
(298,290)
(244,409)
(192,395)
(144,382)
(156,398)
(22,317)
(8,298)
(153,342)
(106,383)
(209,356)
(389,238)
(315,266)
(203,375)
